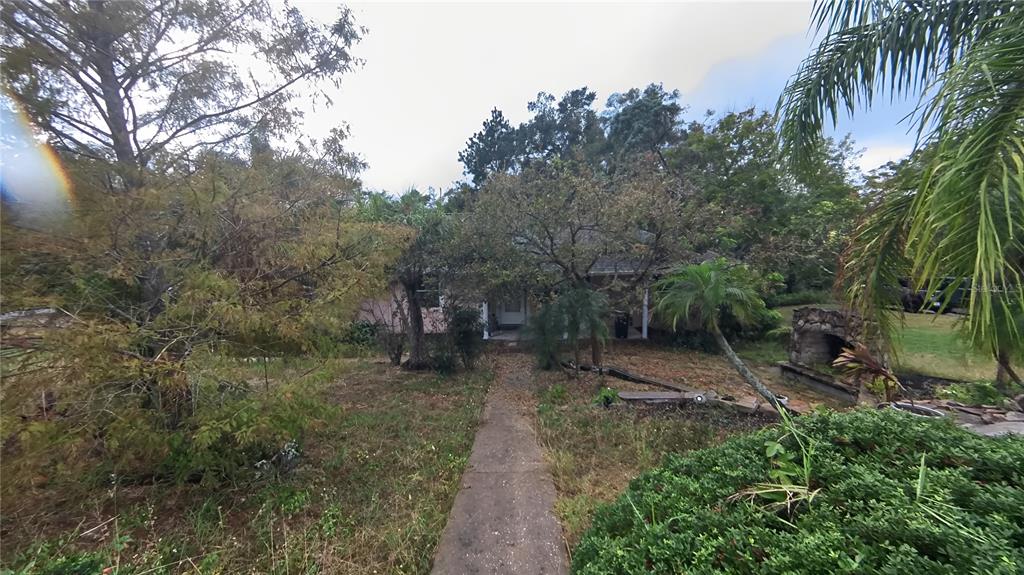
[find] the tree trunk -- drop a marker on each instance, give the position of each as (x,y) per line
(596,350)
(114,102)
(1005,372)
(417,350)
(577,357)
(865,397)
(748,376)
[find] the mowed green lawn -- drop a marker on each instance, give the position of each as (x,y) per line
(931,344)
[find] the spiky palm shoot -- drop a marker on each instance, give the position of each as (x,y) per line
(697,295)
(965,219)
(859,362)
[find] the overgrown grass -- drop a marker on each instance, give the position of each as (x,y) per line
(594,452)
(931,345)
(371,493)
(768,351)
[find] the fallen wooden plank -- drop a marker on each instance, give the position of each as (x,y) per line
(750,406)
(650,395)
(628,376)
(679,394)
(667,396)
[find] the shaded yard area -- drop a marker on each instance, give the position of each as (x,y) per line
(371,492)
(926,344)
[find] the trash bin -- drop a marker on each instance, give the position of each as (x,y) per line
(622,326)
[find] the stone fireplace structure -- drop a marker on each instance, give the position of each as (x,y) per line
(819,335)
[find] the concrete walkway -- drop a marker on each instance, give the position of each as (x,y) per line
(502,520)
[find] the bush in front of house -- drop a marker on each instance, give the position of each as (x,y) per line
(461,341)
(803,297)
(764,323)
(875,505)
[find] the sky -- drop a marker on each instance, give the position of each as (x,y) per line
(433,72)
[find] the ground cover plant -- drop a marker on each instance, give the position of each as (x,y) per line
(369,491)
(884,492)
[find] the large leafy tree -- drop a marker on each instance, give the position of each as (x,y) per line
(964,218)
(633,123)
(258,259)
(698,294)
(143,82)
(794,224)
(565,225)
(643,121)
(201,249)
(558,129)
(142,90)
(421,264)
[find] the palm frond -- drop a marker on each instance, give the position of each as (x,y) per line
(874,263)
(871,48)
(968,218)
(965,221)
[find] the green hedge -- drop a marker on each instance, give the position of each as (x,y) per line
(805,297)
(870,515)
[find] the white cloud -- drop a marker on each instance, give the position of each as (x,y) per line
(434,72)
(877,154)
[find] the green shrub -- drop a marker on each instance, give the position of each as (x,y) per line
(464,329)
(606,397)
(360,334)
(192,421)
(765,324)
(896,494)
(803,297)
(558,324)
(461,341)
(443,359)
(972,393)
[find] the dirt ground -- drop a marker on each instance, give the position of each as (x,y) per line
(704,372)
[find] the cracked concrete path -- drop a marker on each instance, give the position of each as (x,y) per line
(502,521)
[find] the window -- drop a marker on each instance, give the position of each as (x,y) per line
(428,292)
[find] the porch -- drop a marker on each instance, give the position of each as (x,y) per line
(634,333)
(504,319)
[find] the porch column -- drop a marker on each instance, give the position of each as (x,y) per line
(484,315)
(644,318)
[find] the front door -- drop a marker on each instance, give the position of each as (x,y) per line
(512,312)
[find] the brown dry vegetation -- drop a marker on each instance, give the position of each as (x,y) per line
(371,493)
(702,371)
(594,452)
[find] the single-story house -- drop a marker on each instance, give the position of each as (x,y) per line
(504,315)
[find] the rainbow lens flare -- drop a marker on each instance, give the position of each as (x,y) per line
(31,176)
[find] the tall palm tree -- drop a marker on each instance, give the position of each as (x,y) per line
(697,294)
(965,217)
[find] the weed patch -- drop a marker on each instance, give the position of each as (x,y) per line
(595,451)
(370,492)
